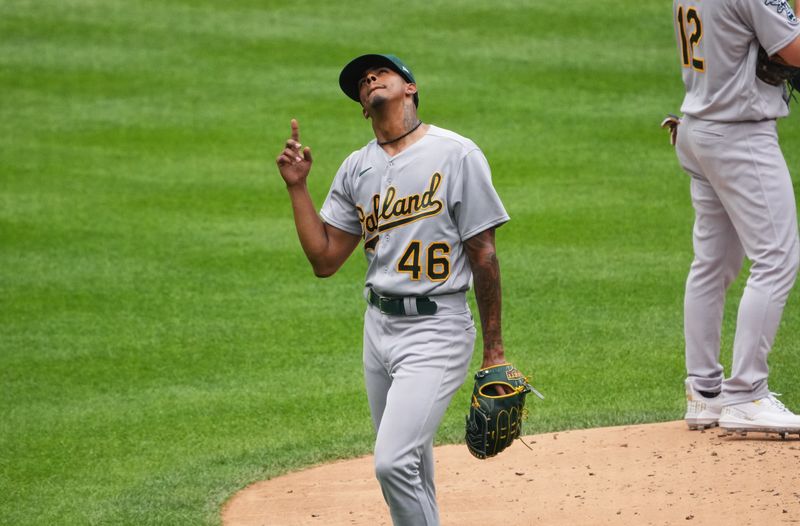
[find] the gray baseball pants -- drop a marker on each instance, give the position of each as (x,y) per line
(744,205)
(413,365)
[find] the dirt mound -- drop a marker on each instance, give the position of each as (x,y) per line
(649,474)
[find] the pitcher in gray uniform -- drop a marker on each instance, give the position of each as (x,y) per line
(421,199)
(744,204)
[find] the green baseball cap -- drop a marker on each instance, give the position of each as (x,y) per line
(354,71)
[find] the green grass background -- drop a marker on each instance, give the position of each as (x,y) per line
(163,341)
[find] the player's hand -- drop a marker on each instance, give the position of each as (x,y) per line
(294,163)
(490,360)
(502,390)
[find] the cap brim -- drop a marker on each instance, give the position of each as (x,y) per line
(354,70)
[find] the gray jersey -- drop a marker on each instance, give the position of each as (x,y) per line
(415,210)
(718,43)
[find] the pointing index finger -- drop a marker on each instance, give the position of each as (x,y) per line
(295,130)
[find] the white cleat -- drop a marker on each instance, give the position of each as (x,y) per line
(767,415)
(701,412)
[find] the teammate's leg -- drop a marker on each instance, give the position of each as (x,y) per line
(428,362)
(718,257)
(752,181)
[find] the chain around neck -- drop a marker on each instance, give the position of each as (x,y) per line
(409,132)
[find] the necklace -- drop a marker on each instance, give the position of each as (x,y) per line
(417,125)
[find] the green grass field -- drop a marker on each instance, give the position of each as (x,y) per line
(163,341)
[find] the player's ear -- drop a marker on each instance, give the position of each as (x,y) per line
(364,113)
(411,89)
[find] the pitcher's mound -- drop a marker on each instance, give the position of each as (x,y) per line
(649,474)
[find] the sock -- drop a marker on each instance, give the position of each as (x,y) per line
(709,394)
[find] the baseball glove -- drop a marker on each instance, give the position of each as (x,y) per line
(775,71)
(494,420)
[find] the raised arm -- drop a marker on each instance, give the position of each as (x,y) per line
(486,276)
(325,246)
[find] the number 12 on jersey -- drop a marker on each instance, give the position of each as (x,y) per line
(437,261)
(687,18)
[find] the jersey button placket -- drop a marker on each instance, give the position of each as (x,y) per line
(387,176)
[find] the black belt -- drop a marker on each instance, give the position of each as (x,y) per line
(395,306)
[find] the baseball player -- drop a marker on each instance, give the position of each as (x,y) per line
(421,199)
(744,204)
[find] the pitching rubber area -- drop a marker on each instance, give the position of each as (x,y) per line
(656,474)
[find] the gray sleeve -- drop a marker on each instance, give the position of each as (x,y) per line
(339,208)
(475,205)
(773,22)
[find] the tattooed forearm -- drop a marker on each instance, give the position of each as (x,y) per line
(486,275)
(487,294)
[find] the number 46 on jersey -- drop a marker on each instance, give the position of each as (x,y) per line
(434,260)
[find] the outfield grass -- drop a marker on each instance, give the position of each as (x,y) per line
(164,342)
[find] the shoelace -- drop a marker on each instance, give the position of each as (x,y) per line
(777,403)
